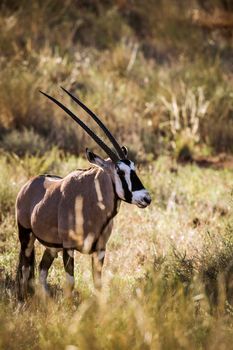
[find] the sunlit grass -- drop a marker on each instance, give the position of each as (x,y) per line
(155,279)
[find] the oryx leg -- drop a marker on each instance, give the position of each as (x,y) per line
(49,255)
(26,266)
(97,265)
(68,261)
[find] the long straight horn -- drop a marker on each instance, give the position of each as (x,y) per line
(100,123)
(109,152)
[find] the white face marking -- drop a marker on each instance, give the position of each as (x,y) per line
(132,166)
(126,169)
(139,198)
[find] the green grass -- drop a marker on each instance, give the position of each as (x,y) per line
(162,267)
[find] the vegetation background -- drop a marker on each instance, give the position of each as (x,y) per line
(159,73)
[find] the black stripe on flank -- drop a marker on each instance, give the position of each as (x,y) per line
(48,244)
(135,181)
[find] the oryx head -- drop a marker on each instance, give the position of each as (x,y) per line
(127,184)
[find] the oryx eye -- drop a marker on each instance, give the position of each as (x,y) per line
(120,172)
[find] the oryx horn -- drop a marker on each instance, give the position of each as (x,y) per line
(109,152)
(100,123)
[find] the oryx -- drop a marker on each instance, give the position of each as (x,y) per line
(75,212)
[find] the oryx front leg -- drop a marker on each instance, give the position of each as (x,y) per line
(97,265)
(46,262)
(68,260)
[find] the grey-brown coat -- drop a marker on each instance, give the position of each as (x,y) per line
(69,212)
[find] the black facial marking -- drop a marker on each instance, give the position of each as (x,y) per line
(135,181)
(126,161)
(120,172)
(127,193)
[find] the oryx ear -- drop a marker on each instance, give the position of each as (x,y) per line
(125,150)
(94,159)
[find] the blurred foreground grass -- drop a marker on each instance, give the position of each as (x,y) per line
(168,272)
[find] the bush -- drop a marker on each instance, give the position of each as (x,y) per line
(140,67)
(23,142)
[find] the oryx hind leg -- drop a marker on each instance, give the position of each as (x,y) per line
(68,261)
(26,265)
(47,259)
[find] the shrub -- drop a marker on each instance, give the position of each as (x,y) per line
(23,142)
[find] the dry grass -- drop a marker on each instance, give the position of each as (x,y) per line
(163,86)
(103,52)
(159,266)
